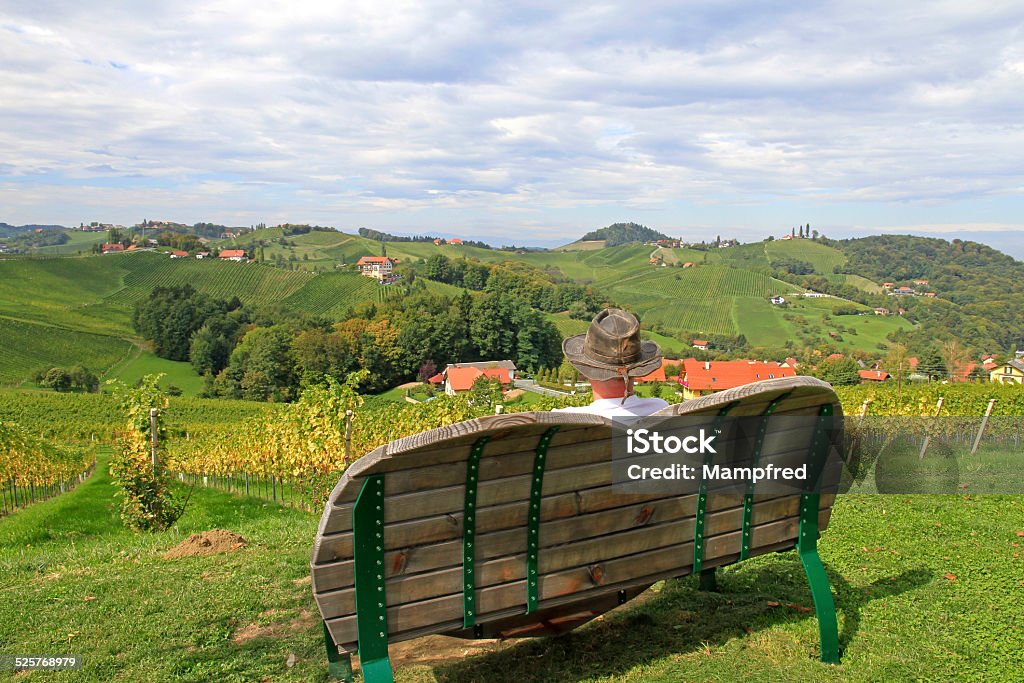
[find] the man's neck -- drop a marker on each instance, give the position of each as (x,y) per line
(607,392)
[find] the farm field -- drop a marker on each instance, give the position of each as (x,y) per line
(79,242)
(177,373)
(909,574)
(29,346)
(332,294)
(251,283)
(823,257)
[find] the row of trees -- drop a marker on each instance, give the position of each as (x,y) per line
(269,354)
(537,288)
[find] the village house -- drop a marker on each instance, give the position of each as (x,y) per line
(888,285)
(777,300)
(233,255)
(872,376)
(881,311)
(378,267)
(1010,372)
(902,291)
(455,240)
(699,378)
(689,264)
(814,295)
(458,377)
(113,248)
(203,254)
(179,254)
(700,344)
(438,241)
(921,282)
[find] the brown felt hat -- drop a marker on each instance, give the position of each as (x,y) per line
(612,348)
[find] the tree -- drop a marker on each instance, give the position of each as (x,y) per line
(57,379)
(427,370)
(931,365)
(839,371)
(485,393)
(954,356)
(82,379)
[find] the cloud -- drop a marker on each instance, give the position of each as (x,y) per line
(476,116)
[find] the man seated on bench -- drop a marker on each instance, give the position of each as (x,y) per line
(610,355)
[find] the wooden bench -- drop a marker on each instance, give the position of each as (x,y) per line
(508,526)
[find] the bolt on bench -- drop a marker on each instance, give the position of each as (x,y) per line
(508,526)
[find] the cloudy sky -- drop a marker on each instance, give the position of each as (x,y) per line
(516,122)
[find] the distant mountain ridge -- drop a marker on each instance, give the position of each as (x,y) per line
(624,233)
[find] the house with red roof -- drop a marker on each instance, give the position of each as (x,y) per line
(233,255)
(700,344)
(179,254)
(872,376)
(113,248)
(455,240)
(457,377)
(378,267)
(699,378)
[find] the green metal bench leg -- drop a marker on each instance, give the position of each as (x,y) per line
(824,605)
(371,599)
(339,666)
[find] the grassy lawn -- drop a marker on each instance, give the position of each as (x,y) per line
(178,373)
(928,587)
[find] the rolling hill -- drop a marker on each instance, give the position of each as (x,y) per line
(78,309)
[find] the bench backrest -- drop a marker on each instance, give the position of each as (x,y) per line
(508,525)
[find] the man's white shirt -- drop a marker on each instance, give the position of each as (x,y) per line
(616,407)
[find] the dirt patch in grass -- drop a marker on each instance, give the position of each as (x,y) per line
(207,543)
(434,650)
(302,622)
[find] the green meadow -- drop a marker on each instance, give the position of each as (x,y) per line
(927,587)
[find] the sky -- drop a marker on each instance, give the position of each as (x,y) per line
(518,123)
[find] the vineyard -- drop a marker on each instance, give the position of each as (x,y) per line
(305,445)
(332,294)
(694,300)
(28,347)
(34,469)
(251,283)
(822,257)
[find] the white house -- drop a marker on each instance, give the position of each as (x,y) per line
(377,267)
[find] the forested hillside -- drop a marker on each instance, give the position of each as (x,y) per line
(979,291)
(624,233)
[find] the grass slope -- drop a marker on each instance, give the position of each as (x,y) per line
(28,347)
(927,589)
(177,373)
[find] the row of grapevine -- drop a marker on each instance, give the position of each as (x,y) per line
(81,418)
(34,469)
(330,292)
(252,283)
(964,400)
(28,347)
(306,442)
